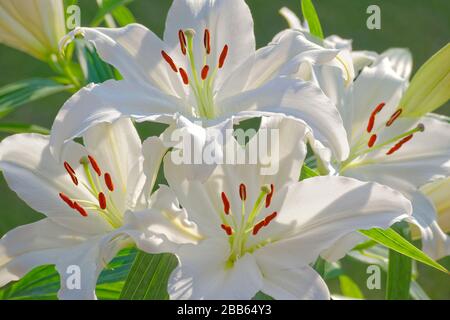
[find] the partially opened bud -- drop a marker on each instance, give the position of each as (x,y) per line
(430,87)
(34,27)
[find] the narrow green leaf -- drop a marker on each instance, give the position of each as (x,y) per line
(399,269)
(311,17)
(17,94)
(307,173)
(349,288)
(22,128)
(149,276)
(108,7)
(123,16)
(392,240)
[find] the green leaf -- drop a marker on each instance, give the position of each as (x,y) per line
(391,239)
(149,276)
(399,269)
(95,70)
(22,128)
(307,173)
(17,94)
(349,288)
(310,15)
(107,7)
(43,282)
(123,16)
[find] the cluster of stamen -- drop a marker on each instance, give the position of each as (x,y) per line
(103,205)
(238,232)
(202,79)
(399,140)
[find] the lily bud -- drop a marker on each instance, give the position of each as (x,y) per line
(430,87)
(34,27)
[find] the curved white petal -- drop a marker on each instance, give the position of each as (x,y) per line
(206,276)
(302,100)
(401,61)
(162,227)
(117,149)
(254,166)
(291,18)
(230,23)
(434,240)
(153,150)
(108,102)
(31,171)
(375,85)
(424,158)
(438,192)
(46,242)
(136,52)
(293,284)
(321,210)
(283,56)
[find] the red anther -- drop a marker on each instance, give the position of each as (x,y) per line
(258,227)
(228,229)
(169,61)
(184,76)
(394,117)
(68,168)
(243,192)
(371,123)
(205,71)
(223,56)
(378,108)
(102,200)
(399,144)
(109,183)
(269,196)
(67,200)
(269,218)
(226,203)
(182,39)
(372,140)
(95,166)
(80,209)
(374,113)
(207,41)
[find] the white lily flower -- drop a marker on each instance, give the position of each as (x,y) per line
(206,68)
(34,27)
(400,58)
(261,232)
(87,201)
(388,146)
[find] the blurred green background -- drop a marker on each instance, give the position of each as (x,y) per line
(423,26)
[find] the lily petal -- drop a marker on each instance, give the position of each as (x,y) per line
(205,276)
(117,149)
(418,162)
(302,100)
(293,284)
(401,61)
(46,242)
(322,210)
(375,85)
(135,52)
(32,172)
(229,22)
(108,102)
